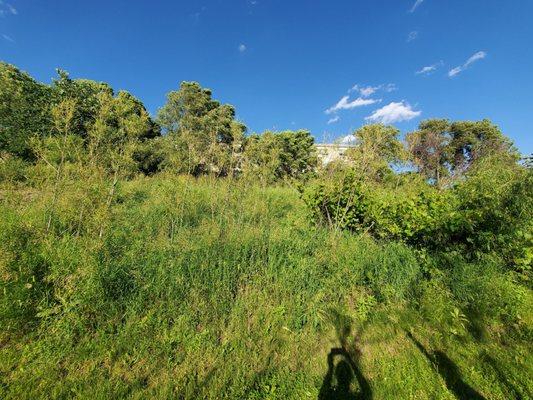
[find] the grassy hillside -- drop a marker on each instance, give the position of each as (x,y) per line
(186,288)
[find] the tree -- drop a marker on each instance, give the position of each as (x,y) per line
(200,130)
(440,148)
(274,156)
(261,157)
(119,127)
(298,155)
(86,95)
(377,148)
(429,148)
(25,106)
(472,140)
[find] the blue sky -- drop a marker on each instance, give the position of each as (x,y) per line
(288,64)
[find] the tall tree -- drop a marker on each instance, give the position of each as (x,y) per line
(377,148)
(472,140)
(429,148)
(200,130)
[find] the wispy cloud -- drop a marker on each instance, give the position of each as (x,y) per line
(345,104)
(366,91)
(415,5)
(394,112)
(242,48)
(12,9)
(334,119)
(6,8)
(8,38)
(429,69)
(412,36)
(476,57)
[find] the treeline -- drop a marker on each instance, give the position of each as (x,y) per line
(193,133)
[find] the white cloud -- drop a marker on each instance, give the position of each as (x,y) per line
(366,91)
(412,36)
(480,55)
(393,112)
(346,104)
(242,48)
(429,69)
(426,70)
(415,5)
(455,71)
(334,119)
(8,38)
(476,57)
(390,87)
(348,139)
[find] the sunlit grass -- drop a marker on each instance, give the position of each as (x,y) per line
(222,289)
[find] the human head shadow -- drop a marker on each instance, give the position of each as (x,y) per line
(339,377)
(449,371)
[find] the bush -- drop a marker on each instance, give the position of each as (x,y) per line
(491,211)
(414,212)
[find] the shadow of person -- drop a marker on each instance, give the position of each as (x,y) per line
(449,371)
(337,383)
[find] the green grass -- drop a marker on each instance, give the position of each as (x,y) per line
(216,289)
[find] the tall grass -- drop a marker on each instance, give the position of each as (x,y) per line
(221,289)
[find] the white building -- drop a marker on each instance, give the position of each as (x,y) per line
(331,152)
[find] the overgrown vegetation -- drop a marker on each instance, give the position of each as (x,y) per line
(181,258)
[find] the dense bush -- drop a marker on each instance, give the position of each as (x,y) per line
(489,211)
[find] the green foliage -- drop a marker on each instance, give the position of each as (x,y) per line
(12,169)
(413,212)
(378,147)
(24,110)
(440,148)
(200,130)
(490,211)
(392,272)
(29,112)
(212,289)
(276,156)
(496,211)
(24,270)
